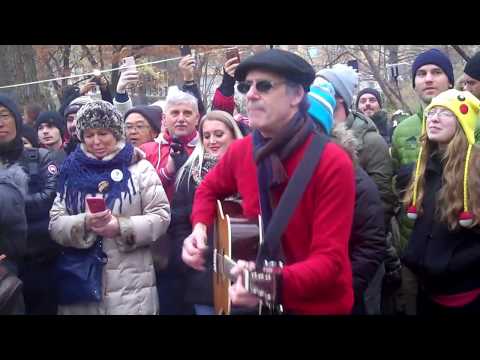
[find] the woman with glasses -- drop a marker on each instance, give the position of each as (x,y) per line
(143,124)
(194,292)
(444,200)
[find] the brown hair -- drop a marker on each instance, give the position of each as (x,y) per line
(450,196)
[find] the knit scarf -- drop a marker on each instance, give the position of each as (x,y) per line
(269,153)
(184,140)
(81,175)
(209,161)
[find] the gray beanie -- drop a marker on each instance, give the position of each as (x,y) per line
(99,114)
(76,104)
(344,80)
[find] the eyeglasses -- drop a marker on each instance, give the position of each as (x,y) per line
(262,86)
(6,117)
(441,113)
(137,127)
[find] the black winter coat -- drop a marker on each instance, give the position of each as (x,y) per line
(367,241)
(445,262)
(198,287)
(13,222)
(42,189)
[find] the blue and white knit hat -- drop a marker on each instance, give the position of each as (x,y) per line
(322,103)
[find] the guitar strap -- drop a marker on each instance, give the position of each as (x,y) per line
(271,248)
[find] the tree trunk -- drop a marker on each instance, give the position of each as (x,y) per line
(17,65)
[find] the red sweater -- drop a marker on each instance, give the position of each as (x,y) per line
(317,278)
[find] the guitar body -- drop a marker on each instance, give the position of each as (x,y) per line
(235,238)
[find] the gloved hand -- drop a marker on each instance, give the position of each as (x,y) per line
(178,153)
(128,77)
(393,275)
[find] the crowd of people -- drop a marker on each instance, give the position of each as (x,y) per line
(386,220)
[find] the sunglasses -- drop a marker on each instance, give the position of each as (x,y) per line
(262,86)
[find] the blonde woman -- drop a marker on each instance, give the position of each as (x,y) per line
(443,198)
(193,289)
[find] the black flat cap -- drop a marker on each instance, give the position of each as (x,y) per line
(289,65)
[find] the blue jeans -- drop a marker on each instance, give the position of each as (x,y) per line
(210,310)
(204,309)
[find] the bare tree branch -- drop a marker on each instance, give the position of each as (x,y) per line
(462,53)
(387,90)
(89,55)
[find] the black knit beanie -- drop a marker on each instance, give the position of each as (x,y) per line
(52,118)
(371,91)
(152,113)
(472,68)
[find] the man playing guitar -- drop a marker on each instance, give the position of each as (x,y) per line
(316,277)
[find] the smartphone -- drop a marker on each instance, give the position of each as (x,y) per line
(185,50)
(96,204)
(233,53)
(128,63)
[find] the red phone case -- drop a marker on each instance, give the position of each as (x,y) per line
(96,204)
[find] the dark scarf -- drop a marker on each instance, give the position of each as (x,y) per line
(11,151)
(81,175)
(209,161)
(269,153)
(71,145)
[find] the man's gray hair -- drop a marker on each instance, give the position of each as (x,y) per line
(180,97)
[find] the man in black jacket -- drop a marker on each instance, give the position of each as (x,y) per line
(36,272)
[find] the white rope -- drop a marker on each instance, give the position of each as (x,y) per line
(104,71)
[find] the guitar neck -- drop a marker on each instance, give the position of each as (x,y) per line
(224,264)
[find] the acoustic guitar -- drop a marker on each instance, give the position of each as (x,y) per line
(235,238)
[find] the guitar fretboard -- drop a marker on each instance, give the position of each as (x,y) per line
(225,264)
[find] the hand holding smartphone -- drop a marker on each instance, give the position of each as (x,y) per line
(128,63)
(233,53)
(96,204)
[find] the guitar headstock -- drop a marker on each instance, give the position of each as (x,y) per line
(265,285)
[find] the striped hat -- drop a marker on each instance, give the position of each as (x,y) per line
(322,103)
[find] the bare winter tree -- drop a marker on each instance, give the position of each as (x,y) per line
(17,65)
